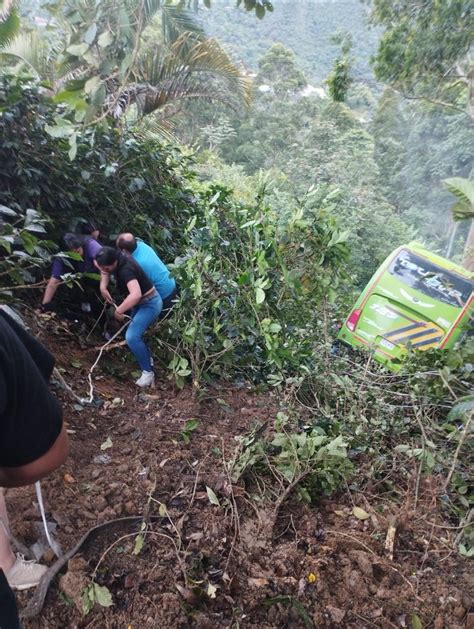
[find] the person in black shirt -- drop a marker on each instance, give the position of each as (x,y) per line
(140,296)
(33,441)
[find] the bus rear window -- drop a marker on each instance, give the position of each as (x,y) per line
(430,279)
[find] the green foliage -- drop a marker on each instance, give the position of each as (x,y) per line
(340,79)
(252,287)
(278,69)
(463,190)
(260,7)
(9,25)
(311,462)
(416,147)
(306,28)
(424,46)
(189,427)
(98,67)
(443,373)
(463,406)
(312,143)
(95,593)
(122,182)
(23,247)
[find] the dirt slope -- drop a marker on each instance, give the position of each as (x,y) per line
(206,565)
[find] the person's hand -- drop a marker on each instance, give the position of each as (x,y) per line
(119,315)
(107,296)
(47,307)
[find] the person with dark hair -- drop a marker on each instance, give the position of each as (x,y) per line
(86,247)
(33,443)
(89,228)
(153,266)
(140,297)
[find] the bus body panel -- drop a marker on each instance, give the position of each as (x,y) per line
(416,300)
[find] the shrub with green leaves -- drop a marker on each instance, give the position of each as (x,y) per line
(311,462)
(23,247)
(254,290)
(123,181)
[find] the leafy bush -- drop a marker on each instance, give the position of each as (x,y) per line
(310,462)
(23,248)
(124,182)
(254,290)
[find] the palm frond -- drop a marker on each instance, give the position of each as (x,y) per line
(9,24)
(6,6)
(34,51)
(176,21)
(155,128)
(169,72)
(463,190)
(151,8)
(209,56)
(146,9)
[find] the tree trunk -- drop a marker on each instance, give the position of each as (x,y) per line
(452,233)
(468,256)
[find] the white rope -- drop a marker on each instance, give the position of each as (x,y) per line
(90,399)
(52,544)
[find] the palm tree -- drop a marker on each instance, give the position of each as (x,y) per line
(463,209)
(184,65)
(158,75)
(184,70)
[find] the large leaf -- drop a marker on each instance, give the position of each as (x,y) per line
(463,190)
(9,26)
(37,52)
(182,72)
(463,406)
(175,22)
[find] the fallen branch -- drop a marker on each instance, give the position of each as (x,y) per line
(36,603)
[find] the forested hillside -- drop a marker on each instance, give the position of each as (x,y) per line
(306,27)
(267,428)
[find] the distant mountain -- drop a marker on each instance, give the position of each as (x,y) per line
(304,26)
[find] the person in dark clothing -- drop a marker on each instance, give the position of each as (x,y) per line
(33,442)
(140,297)
(86,247)
(153,266)
(89,228)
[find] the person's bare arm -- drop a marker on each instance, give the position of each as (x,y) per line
(104,287)
(50,290)
(134,296)
(31,472)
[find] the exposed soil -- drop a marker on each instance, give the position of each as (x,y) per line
(204,565)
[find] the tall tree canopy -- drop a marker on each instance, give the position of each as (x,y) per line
(424,50)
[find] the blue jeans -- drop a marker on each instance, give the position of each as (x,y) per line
(143,316)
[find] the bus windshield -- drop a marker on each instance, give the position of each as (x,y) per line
(430,279)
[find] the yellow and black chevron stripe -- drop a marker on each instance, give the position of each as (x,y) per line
(419,335)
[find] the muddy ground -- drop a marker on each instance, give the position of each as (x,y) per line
(200,564)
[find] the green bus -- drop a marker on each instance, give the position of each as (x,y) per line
(416,300)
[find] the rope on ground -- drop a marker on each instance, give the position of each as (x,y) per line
(90,399)
(97,320)
(66,386)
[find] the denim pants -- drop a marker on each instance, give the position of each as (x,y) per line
(143,316)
